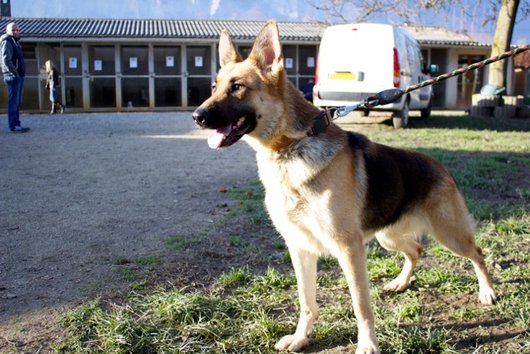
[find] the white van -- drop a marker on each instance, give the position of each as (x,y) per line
(356,61)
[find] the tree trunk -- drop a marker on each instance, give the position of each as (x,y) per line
(502,40)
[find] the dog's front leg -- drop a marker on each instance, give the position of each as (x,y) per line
(305,267)
(351,255)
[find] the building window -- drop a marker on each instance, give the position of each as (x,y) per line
(307,56)
(103,92)
(30,97)
(73,79)
(167,60)
(135,92)
(168,76)
(73,91)
(134,61)
(199,60)
(102,71)
(199,64)
(135,79)
(199,89)
(307,61)
(244,50)
(168,92)
(101,61)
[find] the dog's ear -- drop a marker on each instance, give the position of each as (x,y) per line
(227,50)
(267,50)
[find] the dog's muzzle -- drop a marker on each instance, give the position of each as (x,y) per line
(228,128)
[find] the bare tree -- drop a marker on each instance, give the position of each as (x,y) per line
(419,12)
(502,40)
(393,11)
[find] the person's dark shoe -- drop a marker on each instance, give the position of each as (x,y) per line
(19,129)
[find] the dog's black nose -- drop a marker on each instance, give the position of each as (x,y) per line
(200,116)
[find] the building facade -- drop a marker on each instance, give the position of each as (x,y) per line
(123,65)
(141,64)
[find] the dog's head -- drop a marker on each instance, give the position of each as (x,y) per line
(245,91)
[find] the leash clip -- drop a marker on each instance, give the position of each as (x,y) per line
(345,110)
(381,98)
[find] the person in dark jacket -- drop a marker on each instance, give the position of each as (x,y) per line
(14,70)
(52,82)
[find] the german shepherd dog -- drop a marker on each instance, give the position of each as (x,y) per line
(329,191)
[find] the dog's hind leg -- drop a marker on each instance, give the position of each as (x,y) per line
(452,227)
(394,240)
(305,267)
(460,241)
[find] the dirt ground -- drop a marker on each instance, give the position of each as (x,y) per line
(81,193)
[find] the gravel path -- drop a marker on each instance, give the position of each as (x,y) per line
(82,190)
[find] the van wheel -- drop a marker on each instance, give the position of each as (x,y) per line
(400,119)
(426,112)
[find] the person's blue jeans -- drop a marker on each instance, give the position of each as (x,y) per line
(15,86)
(53,95)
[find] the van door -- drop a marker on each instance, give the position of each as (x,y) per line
(347,73)
(426,93)
(414,60)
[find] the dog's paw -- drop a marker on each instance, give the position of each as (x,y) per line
(367,348)
(292,343)
(397,285)
(487,296)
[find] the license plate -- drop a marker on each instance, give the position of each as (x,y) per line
(342,76)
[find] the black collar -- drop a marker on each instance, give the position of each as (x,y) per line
(320,123)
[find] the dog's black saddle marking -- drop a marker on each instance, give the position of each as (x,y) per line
(396,180)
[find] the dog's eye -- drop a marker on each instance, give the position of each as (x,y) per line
(214,86)
(235,87)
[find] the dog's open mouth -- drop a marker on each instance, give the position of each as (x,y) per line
(231,133)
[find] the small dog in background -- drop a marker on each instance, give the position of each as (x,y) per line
(329,191)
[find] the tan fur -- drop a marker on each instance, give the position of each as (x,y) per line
(317,190)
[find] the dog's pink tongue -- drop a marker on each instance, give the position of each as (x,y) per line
(216,137)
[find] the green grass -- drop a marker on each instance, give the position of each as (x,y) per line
(250,202)
(177,243)
(247,312)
